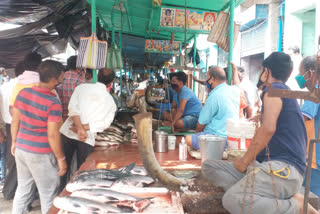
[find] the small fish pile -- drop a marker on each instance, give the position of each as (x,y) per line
(114,135)
(93,191)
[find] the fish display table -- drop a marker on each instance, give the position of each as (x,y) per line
(122,155)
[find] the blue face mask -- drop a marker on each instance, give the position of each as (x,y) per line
(208,85)
(301,81)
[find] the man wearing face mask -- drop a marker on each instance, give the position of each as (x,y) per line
(186,105)
(311,115)
(223,103)
(276,156)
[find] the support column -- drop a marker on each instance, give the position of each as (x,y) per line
(231,30)
(272,32)
(93,31)
(194,60)
(120,46)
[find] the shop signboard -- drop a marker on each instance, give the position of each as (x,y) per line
(196,20)
(162,46)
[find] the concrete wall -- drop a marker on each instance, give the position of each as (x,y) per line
(272,31)
(302,25)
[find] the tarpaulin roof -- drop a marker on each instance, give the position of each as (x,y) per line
(68,20)
(63,21)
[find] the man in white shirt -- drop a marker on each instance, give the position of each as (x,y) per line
(91,110)
(10,180)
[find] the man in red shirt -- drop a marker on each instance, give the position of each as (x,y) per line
(36,139)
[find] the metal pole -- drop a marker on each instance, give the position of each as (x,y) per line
(194,59)
(281,19)
(93,31)
(231,29)
(120,46)
(308,176)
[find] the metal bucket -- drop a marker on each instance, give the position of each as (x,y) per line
(211,147)
(161,141)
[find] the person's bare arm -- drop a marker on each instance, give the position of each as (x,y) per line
(55,145)
(199,127)
(305,118)
(174,106)
(272,109)
(82,134)
(11,110)
(201,82)
(14,128)
(180,111)
(249,111)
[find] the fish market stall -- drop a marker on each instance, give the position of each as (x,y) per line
(116,156)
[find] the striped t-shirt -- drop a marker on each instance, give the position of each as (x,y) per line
(37,107)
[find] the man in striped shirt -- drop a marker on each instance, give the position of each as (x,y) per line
(36,139)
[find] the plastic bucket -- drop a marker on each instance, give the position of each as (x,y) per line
(211,147)
(171,142)
(239,134)
(161,141)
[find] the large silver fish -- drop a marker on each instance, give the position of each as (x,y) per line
(134,181)
(104,195)
(93,182)
(109,174)
(84,206)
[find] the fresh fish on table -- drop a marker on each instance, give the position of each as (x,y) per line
(109,138)
(102,174)
(84,206)
(104,195)
(134,181)
(125,170)
(93,182)
(121,126)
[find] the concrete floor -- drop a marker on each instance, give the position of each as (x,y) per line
(6,206)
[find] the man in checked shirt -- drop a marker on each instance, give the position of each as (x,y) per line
(72,78)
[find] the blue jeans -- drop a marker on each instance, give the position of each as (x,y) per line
(3,148)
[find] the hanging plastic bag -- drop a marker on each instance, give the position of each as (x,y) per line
(114,58)
(92,53)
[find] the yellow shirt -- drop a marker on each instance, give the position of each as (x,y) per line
(18,87)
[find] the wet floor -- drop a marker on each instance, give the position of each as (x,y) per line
(6,206)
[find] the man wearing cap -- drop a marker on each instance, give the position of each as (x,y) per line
(275,163)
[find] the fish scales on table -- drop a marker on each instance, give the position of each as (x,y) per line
(84,206)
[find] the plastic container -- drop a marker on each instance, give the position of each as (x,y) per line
(161,141)
(171,142)
(183,150)
(211,147)
(239,134)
